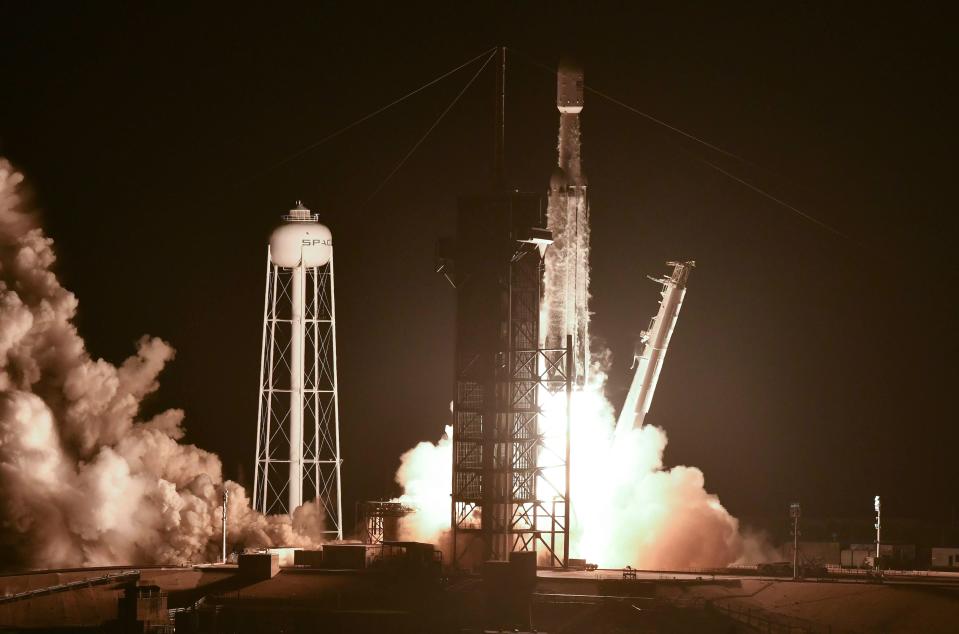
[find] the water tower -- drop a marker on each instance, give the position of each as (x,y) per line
(298,433)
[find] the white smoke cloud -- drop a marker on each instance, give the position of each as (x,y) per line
(629,509)
(83,480)
(425,474)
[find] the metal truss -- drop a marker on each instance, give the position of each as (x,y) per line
(318,459)
(510,477)
(375,515)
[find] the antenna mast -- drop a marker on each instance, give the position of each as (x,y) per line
(499,132)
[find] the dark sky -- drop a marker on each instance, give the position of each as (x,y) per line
(805,365)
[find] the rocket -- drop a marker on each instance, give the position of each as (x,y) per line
(567,261)
(569,87)
(569,102)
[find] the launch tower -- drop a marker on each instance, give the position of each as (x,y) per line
(510,489)
(298,436)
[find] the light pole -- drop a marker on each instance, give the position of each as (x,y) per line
(794,512)
(878,507)
(226,501)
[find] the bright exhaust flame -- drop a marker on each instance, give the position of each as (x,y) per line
(628,509)
(425,474)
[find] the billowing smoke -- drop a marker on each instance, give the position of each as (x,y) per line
(425,474)
(629,509)
(83,479)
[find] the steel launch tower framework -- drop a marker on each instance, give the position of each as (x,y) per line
(510,488)
(298,440)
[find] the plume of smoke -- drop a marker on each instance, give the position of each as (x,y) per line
(425,474)
(83,480)
(629,509)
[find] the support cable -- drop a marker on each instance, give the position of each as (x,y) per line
(708,145)
(416,145)
(766,194)
(662,123)
(312,146)
(646,115)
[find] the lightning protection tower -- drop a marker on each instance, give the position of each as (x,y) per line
(298,433)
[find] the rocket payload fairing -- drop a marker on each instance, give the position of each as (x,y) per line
(565,310)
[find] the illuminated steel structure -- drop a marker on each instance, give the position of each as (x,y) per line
(298,437)
(510,487)
(380,520)
(651,349)
(501,501)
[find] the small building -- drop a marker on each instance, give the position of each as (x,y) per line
(945,557)
(145,608)
(308,558)
(259,565)
(346,556)
(893,556)
(286,554)
(416,553)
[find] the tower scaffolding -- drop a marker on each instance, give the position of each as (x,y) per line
(510,487)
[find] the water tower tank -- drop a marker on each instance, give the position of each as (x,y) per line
(301,240)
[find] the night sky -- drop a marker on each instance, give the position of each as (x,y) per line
(806,365)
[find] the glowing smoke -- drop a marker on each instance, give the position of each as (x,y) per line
(84,481)
(629,509)
(425,474)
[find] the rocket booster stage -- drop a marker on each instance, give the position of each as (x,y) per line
(565,310)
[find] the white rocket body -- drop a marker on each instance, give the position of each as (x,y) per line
(565,310)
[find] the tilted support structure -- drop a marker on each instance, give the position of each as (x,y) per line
(651,348)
